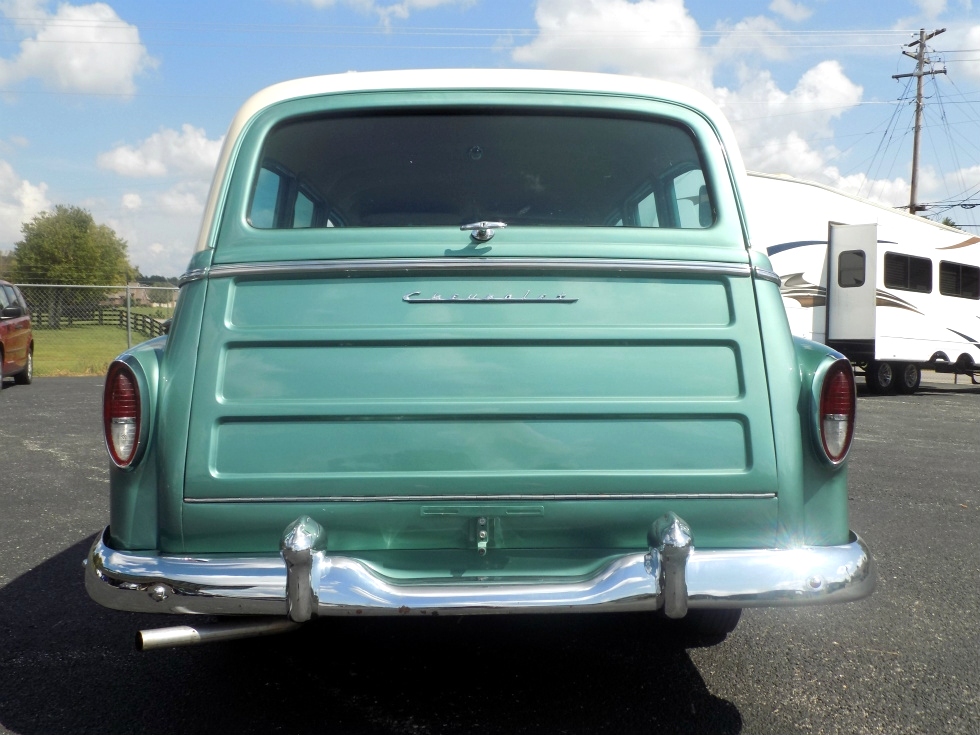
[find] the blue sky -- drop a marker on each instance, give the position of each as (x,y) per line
(120,106)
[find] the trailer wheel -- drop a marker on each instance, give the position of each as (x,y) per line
(908,378)
(880,377)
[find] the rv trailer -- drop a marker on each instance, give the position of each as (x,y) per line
(893,292)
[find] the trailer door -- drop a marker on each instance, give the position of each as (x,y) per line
(852,255)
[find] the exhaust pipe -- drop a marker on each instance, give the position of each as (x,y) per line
(192,635)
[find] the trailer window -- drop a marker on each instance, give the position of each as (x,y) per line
(851,269)
(957,279)
(908,273)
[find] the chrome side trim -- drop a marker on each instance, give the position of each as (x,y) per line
(194,275)
(765,274)
(405,266)
(343,585)
(482,498)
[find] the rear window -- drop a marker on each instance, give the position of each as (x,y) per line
(434,168)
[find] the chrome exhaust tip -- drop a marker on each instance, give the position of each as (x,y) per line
(192,635)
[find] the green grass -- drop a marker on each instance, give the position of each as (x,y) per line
(79,350)
(157,312)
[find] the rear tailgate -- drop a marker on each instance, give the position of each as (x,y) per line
(577,400)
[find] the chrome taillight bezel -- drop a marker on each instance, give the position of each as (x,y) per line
(118,370)
(823,380)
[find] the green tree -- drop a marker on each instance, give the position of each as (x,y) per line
(67,247)
(6,264)
(947,221)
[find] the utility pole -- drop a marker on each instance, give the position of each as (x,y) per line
(920,72)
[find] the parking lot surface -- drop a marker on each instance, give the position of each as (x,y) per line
(907,660)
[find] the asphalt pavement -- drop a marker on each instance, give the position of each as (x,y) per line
(906,660)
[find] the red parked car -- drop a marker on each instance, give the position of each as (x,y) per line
(16,336)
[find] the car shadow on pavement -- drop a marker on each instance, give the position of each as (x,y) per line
(69,666)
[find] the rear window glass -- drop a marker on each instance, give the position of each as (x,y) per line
(439,169)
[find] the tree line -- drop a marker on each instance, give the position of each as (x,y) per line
(68,247)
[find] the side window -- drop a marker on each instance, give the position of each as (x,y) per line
(304,213)
(691,200)
(265,202)
(908,273)
(10,294)
(957,279)
(851,269)
(5,299)
(280,202)
(646,210)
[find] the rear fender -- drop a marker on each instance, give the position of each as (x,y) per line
(133,489)
(825,520)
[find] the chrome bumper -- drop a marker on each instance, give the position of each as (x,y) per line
(303,582)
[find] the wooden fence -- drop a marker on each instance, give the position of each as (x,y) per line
(100,316)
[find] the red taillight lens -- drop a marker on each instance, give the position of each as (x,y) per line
(837,405)
(121,414)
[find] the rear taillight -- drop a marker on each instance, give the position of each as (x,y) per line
(121,414)
(837,405)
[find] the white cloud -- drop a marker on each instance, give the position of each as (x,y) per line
(386,12)
(657,38)
(25,13)
(889,192)
(773,126)
(795,12)
(187,152)
(402,10)
(170,209)
(161,258)
(756,36)
(971,66)
(20,200)
(169,216)
(13,143)
(932,8)
(79,48)
(185,199)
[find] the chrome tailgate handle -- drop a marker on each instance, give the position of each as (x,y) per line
(483,231)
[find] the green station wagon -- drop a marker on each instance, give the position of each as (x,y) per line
(471,342)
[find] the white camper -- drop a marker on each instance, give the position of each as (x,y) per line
(893,292)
